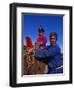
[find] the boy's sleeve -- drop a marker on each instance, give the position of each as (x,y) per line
(38,40)
(45,40)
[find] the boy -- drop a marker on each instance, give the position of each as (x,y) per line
(41,40)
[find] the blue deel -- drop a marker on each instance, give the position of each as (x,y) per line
(56,61)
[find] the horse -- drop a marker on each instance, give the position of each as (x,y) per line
(32,65)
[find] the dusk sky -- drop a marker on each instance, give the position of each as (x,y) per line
(51,23)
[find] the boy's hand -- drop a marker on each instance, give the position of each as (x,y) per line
(41,48)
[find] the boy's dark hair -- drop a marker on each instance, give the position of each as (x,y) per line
(53,34)
(41,29)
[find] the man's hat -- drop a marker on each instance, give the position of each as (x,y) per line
(53,34)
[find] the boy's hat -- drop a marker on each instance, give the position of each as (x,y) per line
(41,29)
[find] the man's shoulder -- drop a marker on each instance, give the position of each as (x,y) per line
(57,46)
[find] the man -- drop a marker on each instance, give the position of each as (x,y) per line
(52,55)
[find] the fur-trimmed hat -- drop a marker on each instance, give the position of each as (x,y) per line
(41,29)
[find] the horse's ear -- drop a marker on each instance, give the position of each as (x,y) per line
(29,42)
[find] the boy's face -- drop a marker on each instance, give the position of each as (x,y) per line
(41,33)
(53,40)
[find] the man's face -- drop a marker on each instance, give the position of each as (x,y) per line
(41,33)
(53,40)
